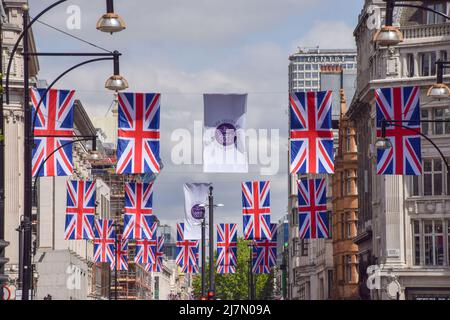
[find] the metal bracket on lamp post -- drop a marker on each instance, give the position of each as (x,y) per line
(399,124)
(391,4)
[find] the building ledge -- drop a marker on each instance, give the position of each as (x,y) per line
(362,237)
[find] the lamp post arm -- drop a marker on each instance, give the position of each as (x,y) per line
(51,154)
(57,79)
(406,5)
(392,123)
(19,39)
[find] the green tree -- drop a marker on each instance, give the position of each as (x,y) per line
(235,286)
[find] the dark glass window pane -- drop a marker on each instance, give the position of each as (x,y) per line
(416,227)
(427,184)
(417,250)
(424,116)
(439,250)
(428,250)
(438,226)
(438,184)
(428,226)
(427,165)
(415,185)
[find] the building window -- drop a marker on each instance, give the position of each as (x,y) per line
(433,182)
(348,182)
(428,60)
(410,65)
(433,177)
(433,18)
(441,114)
(349,222)
(304,248)
(348,140)
(428,241)
(348,269)
(295,216)
(342,226)
(424,116)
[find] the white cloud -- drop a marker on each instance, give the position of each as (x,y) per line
(327,35)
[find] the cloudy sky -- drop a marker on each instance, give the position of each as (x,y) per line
(186,48)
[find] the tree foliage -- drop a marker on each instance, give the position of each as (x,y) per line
(235,286)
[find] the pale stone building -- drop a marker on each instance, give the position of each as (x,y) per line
(403,221)
(14,133)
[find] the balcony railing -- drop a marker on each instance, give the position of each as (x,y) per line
(426,31)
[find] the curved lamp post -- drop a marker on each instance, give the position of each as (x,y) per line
(384,143)
(109,22)
(390,35)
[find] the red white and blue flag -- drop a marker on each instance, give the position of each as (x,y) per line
(138,216)
(256,209)
(80,210)
(312,209)
(104,242)
(187,252)
(159,256)
(264,252)
(311,133)
(121,254)
(138,134)
(226,248)
(145,250)
(401,106)
(53,129)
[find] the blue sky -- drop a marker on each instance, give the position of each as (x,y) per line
(185,48)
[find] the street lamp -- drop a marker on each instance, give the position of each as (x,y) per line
(383,143)
(110,22)
(389,35)
(440,90)
(23,39)
(116,82)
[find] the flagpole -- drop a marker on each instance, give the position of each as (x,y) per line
(211,241)
(250,272)
(116,264)
(203,257)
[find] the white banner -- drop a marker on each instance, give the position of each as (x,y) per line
(194,195)
(224,147)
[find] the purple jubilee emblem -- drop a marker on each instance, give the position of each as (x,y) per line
(197,212)
(226,134)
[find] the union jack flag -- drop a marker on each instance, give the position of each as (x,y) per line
(256,209)
(264,252)
(138,216)
(121,254)
(53,129)
(145,250)
(312,209)
(80,210)
(226,248)
(104,241)
(311,132)
(187,252)
(402,105)
(138,135)
(159,255)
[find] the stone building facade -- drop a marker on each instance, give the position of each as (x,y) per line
(14,133)
(403,221)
